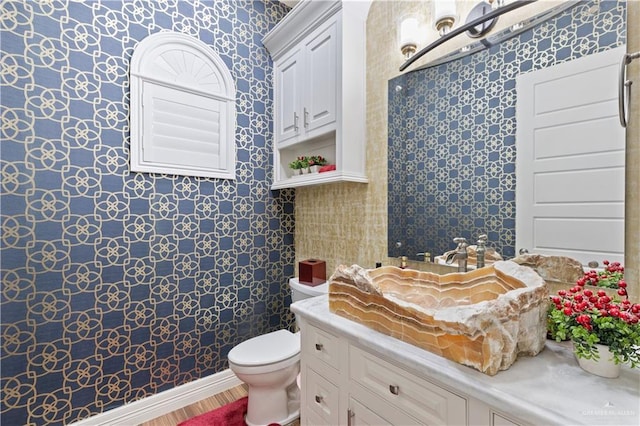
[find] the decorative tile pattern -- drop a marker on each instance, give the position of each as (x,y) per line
(452,133)
(116,286)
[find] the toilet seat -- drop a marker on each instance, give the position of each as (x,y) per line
(266,353)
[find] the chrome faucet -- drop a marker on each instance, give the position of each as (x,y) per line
(460,254)
(481,250)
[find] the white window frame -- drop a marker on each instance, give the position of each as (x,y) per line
(184,64)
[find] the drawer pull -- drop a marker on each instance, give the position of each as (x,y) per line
(318,399)
(318,346)
(394,389)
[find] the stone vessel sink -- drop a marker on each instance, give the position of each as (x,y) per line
(483,319)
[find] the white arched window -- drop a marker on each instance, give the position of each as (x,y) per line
(182,108)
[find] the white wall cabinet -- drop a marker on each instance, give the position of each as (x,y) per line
(318,52)
(306,83)
(345,384)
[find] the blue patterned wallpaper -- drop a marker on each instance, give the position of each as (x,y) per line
(117,286)
(452,133)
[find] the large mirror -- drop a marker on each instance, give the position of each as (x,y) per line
(452,130)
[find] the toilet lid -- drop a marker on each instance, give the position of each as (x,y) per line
(266,349)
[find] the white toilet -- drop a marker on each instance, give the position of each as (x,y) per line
(269,365)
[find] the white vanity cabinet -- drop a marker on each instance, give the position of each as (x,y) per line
(354,375)
(343,383)
(319,63)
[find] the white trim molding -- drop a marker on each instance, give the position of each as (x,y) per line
(165,402)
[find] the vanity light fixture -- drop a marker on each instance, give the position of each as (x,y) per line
(495,4)
(408,37)
(475,24)
(480,10)
(444,15)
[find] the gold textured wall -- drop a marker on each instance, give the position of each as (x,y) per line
(347,223)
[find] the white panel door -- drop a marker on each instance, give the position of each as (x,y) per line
(570,159)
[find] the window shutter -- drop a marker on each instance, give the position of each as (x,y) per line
(182,109)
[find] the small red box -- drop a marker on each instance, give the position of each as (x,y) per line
(312,272)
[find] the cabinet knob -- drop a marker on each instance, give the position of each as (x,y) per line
(318,399)
(318,346)
(295,121)
(394,389)
(306,118)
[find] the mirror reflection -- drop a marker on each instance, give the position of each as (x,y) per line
(452,131)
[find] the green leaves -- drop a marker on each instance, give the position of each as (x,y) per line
(613,324)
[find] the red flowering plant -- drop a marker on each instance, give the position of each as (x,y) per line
(587,317)
(611,277)
(317,160)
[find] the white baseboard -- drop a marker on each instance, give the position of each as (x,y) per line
(165,402)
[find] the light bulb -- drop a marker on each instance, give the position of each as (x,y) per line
(408,36)
(444,15)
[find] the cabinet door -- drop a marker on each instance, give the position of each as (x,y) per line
(361,415)
(319,106)
(365,409)
(288,95)
(498,420)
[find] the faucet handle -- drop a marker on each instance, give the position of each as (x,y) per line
(461,241)
(426,255)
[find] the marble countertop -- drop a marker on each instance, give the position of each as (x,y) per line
(546,389)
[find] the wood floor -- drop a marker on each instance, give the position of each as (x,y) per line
(200,407)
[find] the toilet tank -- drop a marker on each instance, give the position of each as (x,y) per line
(302,291)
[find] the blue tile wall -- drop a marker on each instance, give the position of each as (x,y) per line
(119,285)
(452,133)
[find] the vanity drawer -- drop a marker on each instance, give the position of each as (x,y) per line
(322,399)
(426,401)
(322,346)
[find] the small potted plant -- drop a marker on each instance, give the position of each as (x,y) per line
(603,329)
(297,165)
(315,162)
(304,161)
